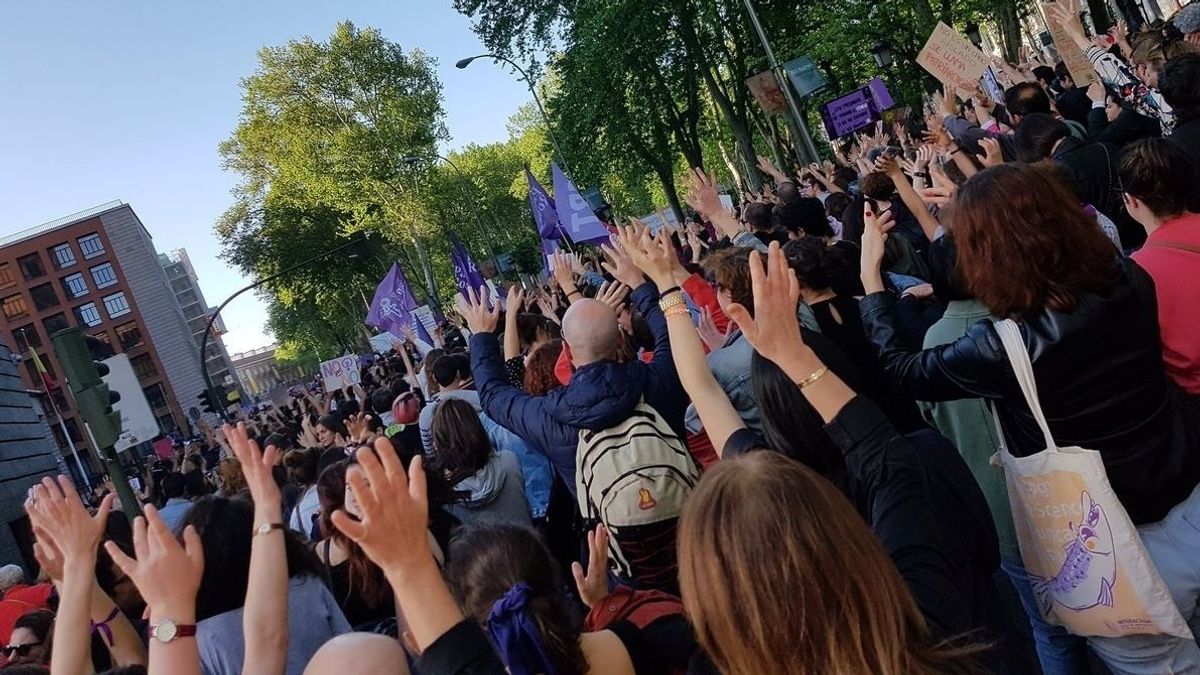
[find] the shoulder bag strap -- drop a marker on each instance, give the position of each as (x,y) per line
(1018,356)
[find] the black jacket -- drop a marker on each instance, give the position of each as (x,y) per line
(1100,380)
(1187,136)
(1094,169)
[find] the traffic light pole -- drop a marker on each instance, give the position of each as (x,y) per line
(213,393)
(130,504)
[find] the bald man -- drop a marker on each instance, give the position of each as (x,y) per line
(602,392)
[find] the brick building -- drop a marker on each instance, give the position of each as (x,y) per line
(98,269)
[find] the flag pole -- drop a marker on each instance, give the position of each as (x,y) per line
(54,406)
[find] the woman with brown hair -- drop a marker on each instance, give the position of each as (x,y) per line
(486,486)
(229,475)
(540,378)
(1089,321)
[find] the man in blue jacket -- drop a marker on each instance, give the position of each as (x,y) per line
(602,392)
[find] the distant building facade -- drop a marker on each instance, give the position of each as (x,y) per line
(98,269)
(261,375)
(186,286)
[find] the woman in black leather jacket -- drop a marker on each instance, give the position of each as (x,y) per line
(1089,321)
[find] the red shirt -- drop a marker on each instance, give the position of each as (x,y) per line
(1172,258)
(19,601)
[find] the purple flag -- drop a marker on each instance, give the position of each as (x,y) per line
(544,214)
(574,212)
(393,301)
(466,274)
(549,247)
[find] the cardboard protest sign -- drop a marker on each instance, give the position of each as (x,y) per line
(340,372)
(766,91)
(952,59)
(1077,61)
(425,315)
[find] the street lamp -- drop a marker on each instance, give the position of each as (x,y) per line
(467,186)
(463,63)
(882,53)
(355,248)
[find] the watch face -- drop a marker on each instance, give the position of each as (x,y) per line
(265,528)
(165,631)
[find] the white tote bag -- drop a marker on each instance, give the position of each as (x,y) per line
(1089,569)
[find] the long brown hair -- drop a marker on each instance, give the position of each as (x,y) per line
(485,562)
(366,578)
(460,444)
(1025,243)
(780,575)
(233,480)
(540,377)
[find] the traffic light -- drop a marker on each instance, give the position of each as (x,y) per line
(84,376)
(213,400)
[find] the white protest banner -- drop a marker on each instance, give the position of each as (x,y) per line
(952,59)
(383,342)
(1077,61)
(340,372)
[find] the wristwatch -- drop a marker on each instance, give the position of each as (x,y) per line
(268,528)
(167,630)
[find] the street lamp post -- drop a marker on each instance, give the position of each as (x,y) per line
(466,185)
(463,63)
(806,146)
(358,240)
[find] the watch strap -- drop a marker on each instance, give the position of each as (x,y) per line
(185,630)
(268,528)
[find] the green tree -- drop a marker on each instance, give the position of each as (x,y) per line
(319,146)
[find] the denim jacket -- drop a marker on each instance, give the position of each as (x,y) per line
(730,365)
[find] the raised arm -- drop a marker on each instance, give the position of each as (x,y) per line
(912,200)
(512,339)
(66,532)
(655,258)
(265,618)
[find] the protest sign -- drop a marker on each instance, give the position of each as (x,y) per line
(766,91)
(425,315)
(952,59)
(340,372)
(1077,61)
(383,342)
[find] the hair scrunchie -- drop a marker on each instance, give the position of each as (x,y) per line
(516,636)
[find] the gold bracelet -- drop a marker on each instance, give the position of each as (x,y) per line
(673,300)
(817,374)
(677,310)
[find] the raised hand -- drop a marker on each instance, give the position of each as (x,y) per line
(166,573)
(394,508)
(359,426)
(654,256)
(925,155)
(713,338)
(992,156)
(703,197)
(619,264)
(773,331)
(593,587)
(473,307)
(257,466)
(889,166)
(562,266)
(515,301)
(1066,14)
(875,229)
(64,525)
(613,294)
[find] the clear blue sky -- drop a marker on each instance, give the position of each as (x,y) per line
(129,99)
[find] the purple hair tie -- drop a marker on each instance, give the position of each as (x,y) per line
(516,636)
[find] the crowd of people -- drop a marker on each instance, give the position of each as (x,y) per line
(761,442)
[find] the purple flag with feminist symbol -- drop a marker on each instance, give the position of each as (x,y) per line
(545,216)
(466,273)
(574,212)
(393,303)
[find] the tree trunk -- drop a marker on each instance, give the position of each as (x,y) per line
(1009,25)
(427,272)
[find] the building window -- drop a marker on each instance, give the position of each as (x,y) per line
(6,276)
(73,429)
(130,336)
(181,284)
(87,315)
(60,399)
(75,286)
(116,305)
(188,297)
(15,306)
(63,256)
(31,266)
(155,395)
(166,423)
(55,323)
(44,296)
(104,275)
(143,366)
(101,347)
(27,336)
(91,246)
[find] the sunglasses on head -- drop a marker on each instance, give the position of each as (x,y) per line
(19,650)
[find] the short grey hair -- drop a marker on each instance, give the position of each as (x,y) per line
(1188,19)
(11,575)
